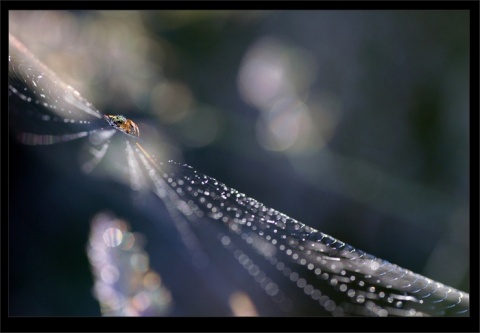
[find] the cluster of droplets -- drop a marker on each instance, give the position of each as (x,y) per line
(33,83)
(345,280)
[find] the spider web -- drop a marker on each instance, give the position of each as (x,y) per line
(231,241)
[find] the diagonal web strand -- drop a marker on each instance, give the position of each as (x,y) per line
(367,281)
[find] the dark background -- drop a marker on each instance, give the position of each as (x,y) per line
(380,159)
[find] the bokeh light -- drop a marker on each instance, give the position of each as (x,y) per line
(124,284)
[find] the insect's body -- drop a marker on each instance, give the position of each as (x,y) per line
(125,125)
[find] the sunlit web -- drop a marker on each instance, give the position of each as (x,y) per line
(288,260)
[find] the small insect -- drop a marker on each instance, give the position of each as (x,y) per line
(125,125)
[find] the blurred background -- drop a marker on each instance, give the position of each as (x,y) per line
(353,122)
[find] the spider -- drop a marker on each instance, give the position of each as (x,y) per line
(125,125)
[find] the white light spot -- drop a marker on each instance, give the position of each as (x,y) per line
(112,237)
